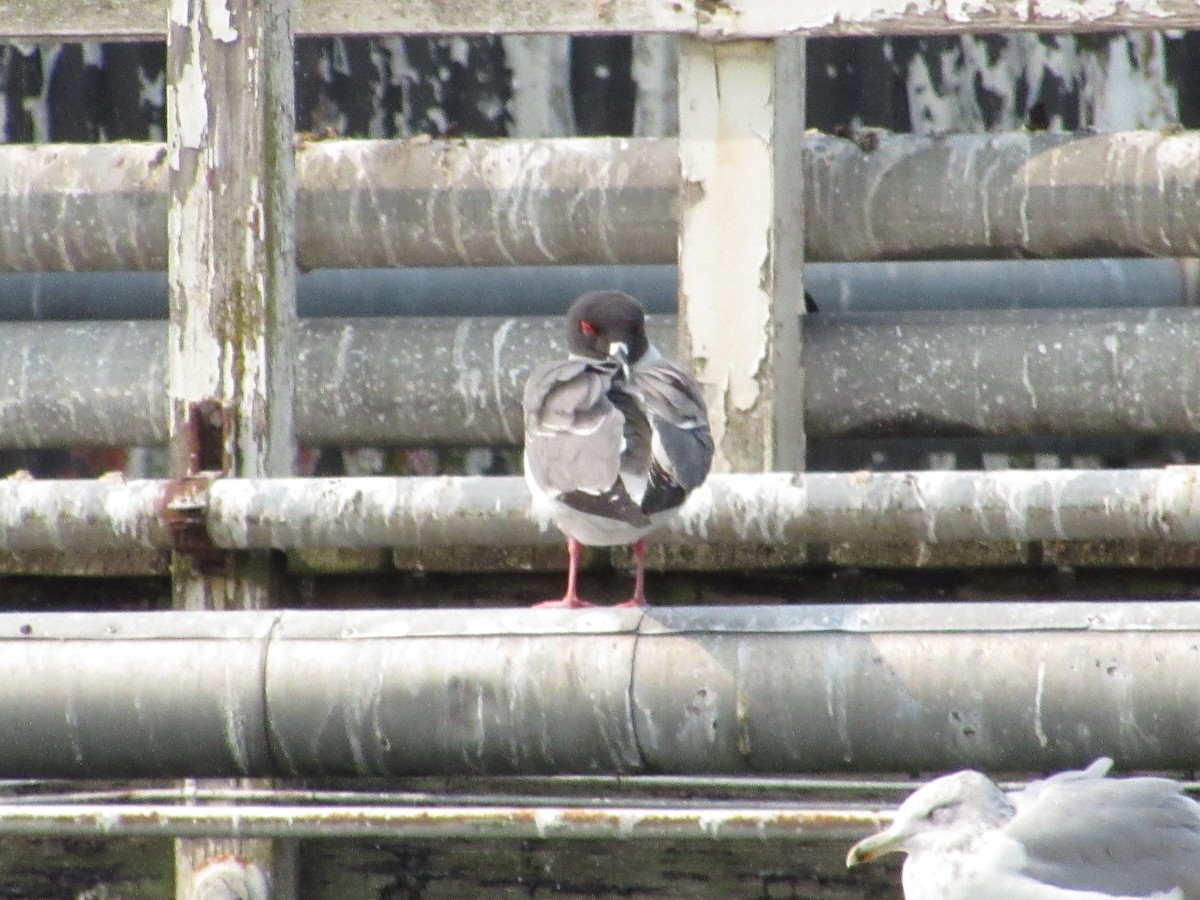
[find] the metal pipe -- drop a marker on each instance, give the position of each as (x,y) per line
(933,506)
(445,382)
(726,690)
(545,290)
(614,200)
(1078,372)
(399,823)
(447,511)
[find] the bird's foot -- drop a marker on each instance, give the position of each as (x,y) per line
(567,602)
(632,603)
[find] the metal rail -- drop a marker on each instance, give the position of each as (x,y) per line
(398,823)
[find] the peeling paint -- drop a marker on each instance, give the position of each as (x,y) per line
(725,149)
(219,19)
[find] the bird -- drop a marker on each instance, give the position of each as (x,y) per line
(616,436)
(1077,835)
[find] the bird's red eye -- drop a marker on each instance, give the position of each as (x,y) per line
(640,329)
(587,328)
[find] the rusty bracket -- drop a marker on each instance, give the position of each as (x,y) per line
(182,510)
(184,501)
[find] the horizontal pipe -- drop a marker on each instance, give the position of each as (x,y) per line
(365,204)
(725,690)
(399,823)
(544,290)
(457,382)
(776,508)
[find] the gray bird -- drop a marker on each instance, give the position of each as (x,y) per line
(1074,836)
(616,435)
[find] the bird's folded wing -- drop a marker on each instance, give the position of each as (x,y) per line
(684,445)
(1133,837)
(573,433)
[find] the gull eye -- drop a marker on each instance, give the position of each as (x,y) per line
(941,814)
(587,328)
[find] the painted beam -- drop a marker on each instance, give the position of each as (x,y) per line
(231,255)
(724,20)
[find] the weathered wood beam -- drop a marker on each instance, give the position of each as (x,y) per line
(231,332)
(732,323)
(144,19)
(597,200)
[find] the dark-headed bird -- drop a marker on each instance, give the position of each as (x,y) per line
(616,435)
(1074,836)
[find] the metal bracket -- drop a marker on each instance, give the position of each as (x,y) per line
(182,510)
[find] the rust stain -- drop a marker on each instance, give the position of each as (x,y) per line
(181,508)
(208,425)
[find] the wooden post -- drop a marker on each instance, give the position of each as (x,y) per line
(741,244)
(231,257)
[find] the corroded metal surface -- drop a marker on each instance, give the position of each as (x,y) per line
(499,202)
(607,822)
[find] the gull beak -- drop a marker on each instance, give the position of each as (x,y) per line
(871,848)
(619,351)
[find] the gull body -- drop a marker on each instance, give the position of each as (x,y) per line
(1074,836)
(616,435)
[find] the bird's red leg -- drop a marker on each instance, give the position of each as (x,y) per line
(639,575)
(569,600)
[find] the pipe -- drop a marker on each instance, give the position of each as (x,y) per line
(614,200)
(1034,372)
(446,382)
(1016,505)
(725,690)
(546,290)
(777,508)
(246,821)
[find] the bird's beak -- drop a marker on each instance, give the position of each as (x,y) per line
(619,351)
(871,848)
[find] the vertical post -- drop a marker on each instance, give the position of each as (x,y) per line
(741,121)
(231,255)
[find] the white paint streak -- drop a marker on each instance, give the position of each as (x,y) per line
(1038,729)
(498,372)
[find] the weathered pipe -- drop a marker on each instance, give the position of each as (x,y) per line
(861,688)
(774,508)
(446,382)
(546,290)
(614,200)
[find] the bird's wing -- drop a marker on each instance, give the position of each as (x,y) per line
(574,436)
(1121,836)
(682,445)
